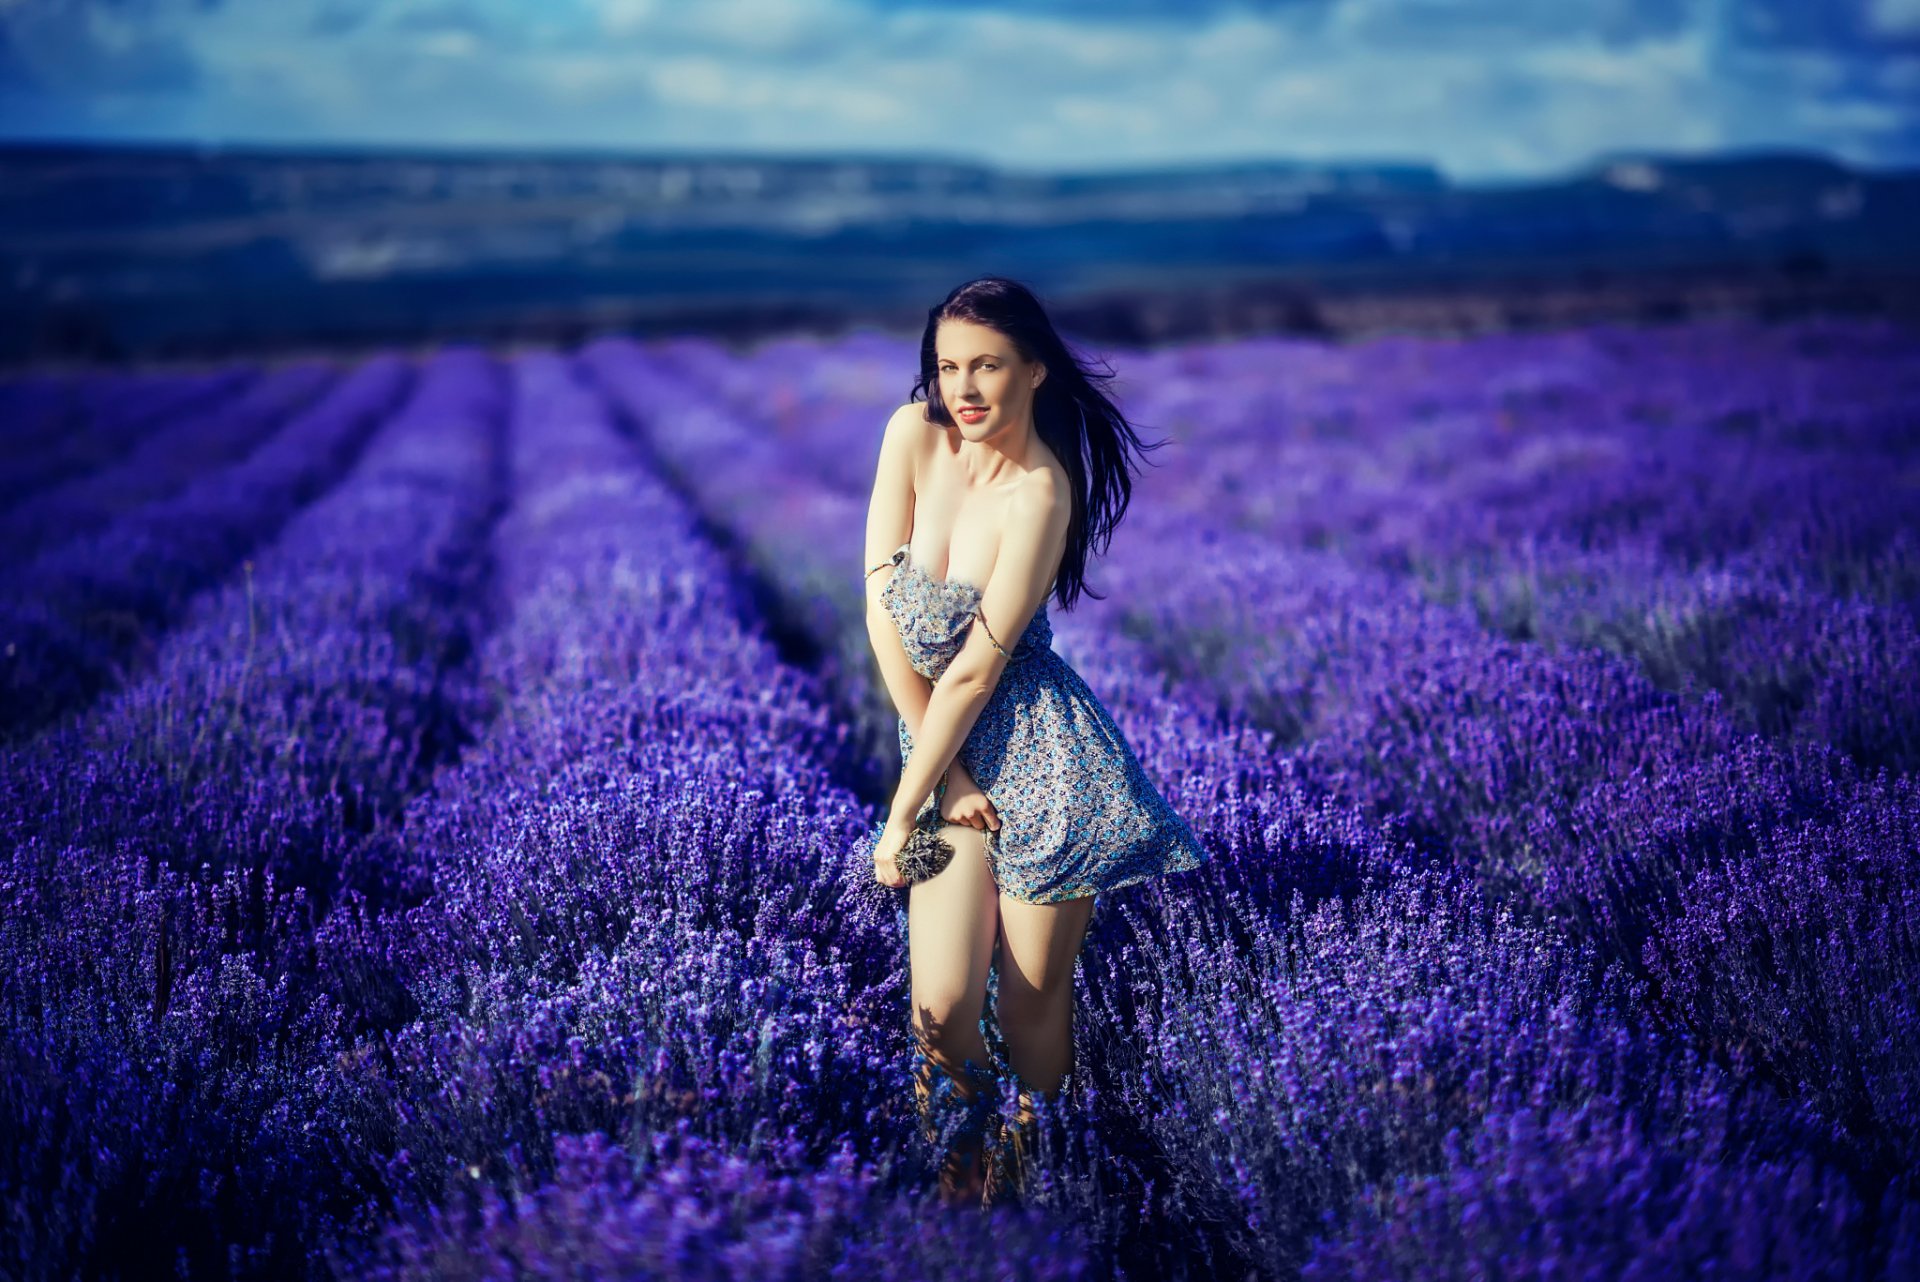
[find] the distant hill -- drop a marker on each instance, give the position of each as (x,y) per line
(134,251)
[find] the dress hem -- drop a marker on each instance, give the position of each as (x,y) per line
(1185,864)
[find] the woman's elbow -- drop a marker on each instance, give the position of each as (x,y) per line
(969,681)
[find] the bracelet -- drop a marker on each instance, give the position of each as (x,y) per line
(991,639)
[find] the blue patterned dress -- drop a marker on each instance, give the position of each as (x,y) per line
(1078,815)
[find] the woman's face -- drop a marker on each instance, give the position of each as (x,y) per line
(980,370)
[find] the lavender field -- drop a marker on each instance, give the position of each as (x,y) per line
(432,786)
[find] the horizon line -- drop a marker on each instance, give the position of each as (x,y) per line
(667,153)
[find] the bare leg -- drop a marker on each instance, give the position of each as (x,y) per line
(952,921)
(1036,985)
(1035,1011)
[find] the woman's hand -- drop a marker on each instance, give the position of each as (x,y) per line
(965,803)
(893,839)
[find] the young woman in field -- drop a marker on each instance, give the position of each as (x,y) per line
(986,499)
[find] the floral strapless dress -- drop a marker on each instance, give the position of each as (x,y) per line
(1078,815)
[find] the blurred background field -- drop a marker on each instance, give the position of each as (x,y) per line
(142,253)
(179,181)
(436,710)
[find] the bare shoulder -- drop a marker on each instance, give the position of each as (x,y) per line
(911,417)
(908,428)
(1044,498)
(901,443)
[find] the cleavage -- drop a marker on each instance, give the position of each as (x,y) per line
(948,503)
(946,574)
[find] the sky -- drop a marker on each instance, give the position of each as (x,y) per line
(1485,90)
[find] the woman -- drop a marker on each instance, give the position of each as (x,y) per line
(986,499)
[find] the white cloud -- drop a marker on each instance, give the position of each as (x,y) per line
(1852,115)
(1895,17)
(450,44)
(1360,79)
(623,17)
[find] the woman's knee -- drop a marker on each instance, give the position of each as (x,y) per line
(953,921)
(947,1006)
(940,1009)
(949,1035)
(1037,965)
(1025,1009)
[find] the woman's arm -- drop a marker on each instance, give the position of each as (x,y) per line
(1023,569)
(889,523)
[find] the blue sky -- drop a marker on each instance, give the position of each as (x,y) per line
(1488,90)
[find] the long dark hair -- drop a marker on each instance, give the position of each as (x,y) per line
(1091,438)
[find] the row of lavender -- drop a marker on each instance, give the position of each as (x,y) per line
(1264,1074)
(1572,788)
(1765,888)
(177,1049)
(1722,508)
(121,552)
(611,969)
(257,1017)
(1651,822)
(171,454)
(660,1030)
(55,427)
(1725,505)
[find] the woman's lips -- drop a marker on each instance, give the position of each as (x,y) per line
(972,415)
